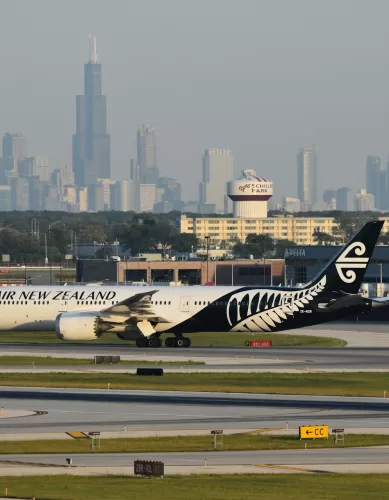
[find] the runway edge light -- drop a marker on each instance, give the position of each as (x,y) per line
(313,432)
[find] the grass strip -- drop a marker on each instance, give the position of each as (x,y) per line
(234,442)
(50,361)
(230,339)
(338,384)
(223,487)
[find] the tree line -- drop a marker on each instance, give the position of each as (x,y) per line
(23,234)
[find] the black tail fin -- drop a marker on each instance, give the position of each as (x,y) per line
(346,270)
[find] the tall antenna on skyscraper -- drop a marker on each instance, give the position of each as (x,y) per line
(90,47)
(92,50)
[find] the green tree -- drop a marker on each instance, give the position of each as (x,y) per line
(351,222)
(280,247)
(322,238)
(184,242)
(384,239)
(264,244)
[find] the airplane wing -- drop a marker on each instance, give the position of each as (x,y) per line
(140,303)
(136,310)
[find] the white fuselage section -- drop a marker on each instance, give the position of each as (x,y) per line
(35,308)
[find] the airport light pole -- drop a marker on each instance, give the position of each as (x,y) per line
(46,257)
(207,240)
(381,286)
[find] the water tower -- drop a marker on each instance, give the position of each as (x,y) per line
(249,195)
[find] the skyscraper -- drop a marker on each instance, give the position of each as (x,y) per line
(91,143)
(14,146)
(376,181)
(307,175)
(364,201)
(343,199)
(147,155)
(218,169)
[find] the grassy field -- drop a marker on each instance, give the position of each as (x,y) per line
(264,487)
(49,361)
(198,339)
(339,384)
(236,442)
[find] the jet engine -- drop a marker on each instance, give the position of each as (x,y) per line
(79,326)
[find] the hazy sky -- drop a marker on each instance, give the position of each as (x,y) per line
(262,77)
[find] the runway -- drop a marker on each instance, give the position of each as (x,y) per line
(372,455)
(111,411)
(220,358)
(364,357)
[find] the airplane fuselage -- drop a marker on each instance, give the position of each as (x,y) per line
(181,309)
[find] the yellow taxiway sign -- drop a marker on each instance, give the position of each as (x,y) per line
(313,432)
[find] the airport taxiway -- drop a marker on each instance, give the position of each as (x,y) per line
(89,410)
(357,460)
(217,358)
(371,353)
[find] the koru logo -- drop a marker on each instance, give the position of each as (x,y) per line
(349,263)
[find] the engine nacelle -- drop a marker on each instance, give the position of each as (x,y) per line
(79,326)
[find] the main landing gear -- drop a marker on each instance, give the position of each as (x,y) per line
(178,342)
(152,341)
(155,341)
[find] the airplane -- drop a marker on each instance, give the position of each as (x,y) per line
(85,313)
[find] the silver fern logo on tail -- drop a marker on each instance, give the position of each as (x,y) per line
(347,263)
(263,310)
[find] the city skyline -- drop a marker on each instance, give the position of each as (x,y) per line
(259,89)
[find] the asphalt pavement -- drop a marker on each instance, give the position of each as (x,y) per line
(60,410)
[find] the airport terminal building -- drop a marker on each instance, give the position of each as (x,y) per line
(304,262)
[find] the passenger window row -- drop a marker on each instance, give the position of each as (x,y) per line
(217,303)
(4,302)
(91,302)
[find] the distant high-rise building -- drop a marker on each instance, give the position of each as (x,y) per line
(171,192)
(14,146)
(120,195)
(307,175)
(91,143)
(20,194)
(37,193)
(147,197)
(343,199)
(5,198)
(329,195)
(376,181)
(42,168)
(52,199)
(106,183)
(134,185)
(27,167)
(291,205)
(82,199)
(147,155)
(61,177)
(134,170)
(364,201)
(218,169)
(96,202)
